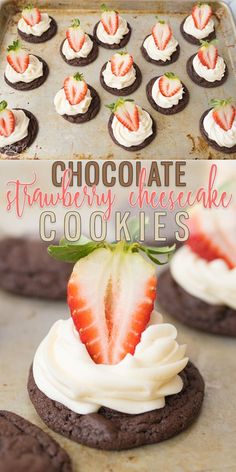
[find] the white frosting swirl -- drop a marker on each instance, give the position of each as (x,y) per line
(36,30)
(133,138)
(211,75)
(217,134)
(20,131)
(213,282)
(111,80)
(190,28)
(69,53)
(33,71)
(63,107)
(161,100)
(155,53)
(64,371)
(116,38)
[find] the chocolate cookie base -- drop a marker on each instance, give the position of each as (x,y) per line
(199,80)
(191,311)
(127,90)
(30,38)
(111,430)
(174,57)
(121,44)
(26,269)
(133,148)
(90,113)
(212,143)
(25,447)
(20,146)
(191,39)
(24,86)
(82,61)
(167,111)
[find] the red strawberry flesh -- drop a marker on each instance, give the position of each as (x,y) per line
(32,16)
(75,89)
(162,34)
(17,57)
(201,15)
(224,116)
(110,22)
(121,63)
(169,84)
(208,55)
(7,120)
(128,114)
(75,36)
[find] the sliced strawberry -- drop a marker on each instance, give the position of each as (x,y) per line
(75,35)
(224,113)
(162,33)
(126,111)
(110,20)
(7,120)
(31,15)
(75,89)
(201,14)
(17,57)
(111,296)
(169,84)
(121,63)
(208,54)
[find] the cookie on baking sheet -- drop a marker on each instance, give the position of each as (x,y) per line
(112,31)
(218,125)
(199,25)
(78,48)
(206,68)
(160,47)
(120,75)
(35,26)
(167,94)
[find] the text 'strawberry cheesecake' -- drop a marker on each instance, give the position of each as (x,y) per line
(77,101)
(18,129)
(112,31)
(218,125)
(35,26)
(167,94)
(161,47)
(130,126)
(24,71)
(207,68)
(79,48)
(199,25)
(114,366)
(121,76)
(199,287)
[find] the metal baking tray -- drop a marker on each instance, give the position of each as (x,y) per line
(178,136)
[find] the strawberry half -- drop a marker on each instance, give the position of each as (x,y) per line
(75,88)
(31,15)
(201,14)
(162,33)
(75,35)
(126,111)
(121,63)
(17,57)
(224,113)
(169,84)
(208,54)
(109,20)
(7,120)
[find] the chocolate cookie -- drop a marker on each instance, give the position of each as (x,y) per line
(27,269)
(212,143)
(25,447)
(24,86)
(111,430)
(174,57)
(20,146)
(133,148)
(121,44)
(31,38)
(167,111)
(199,80)
(192,311)
(125,91)
(90,113)
(191,39)
(82,61)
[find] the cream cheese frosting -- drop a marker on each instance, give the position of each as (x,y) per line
(64,371)
(69,53)
(38,29)
(116,38)
(216,133)
(190,28)
(33,71)
(155,53)
(63,106)
(111,80)
(161,100)
(213,282)
(20,131)
(133,138)
(211,75)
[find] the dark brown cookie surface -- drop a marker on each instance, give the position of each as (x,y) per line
(174,57)
(111,430)
(145,143)
(20,146)
(126,90)
(212,143)
(167,111)
(121,44)
(26,448)
(82,61)
(192,311)
(191,39)
(199,80)
(24,86)
(26,269)
(90,113)
(30,38)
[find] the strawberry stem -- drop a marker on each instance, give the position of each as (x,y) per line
(75,23)
(114,106)
(217,103)
(78,76)
(3,105)
(15,46)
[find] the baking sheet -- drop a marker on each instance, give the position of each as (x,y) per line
(178,136)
